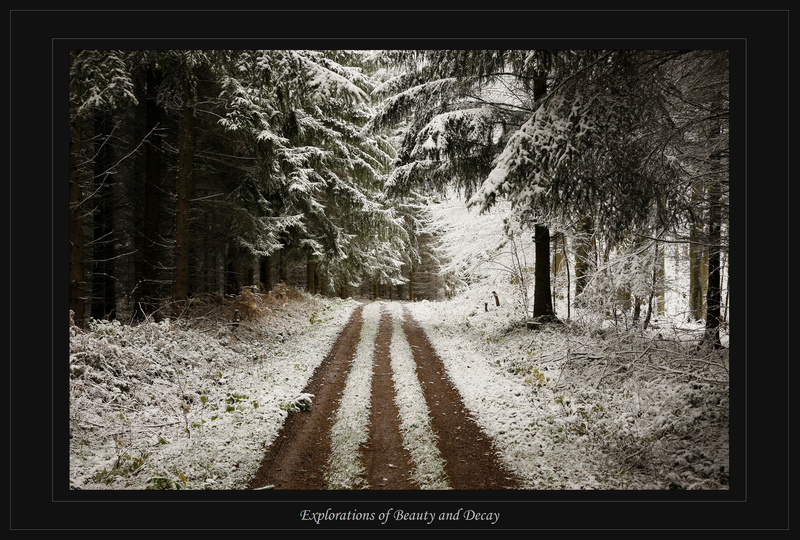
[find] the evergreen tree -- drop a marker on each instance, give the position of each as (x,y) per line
(255,158)
(303,111)
(148,294)
(697,84)
(76,270)
(602,143)
(104,301)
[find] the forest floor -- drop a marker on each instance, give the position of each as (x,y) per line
(300,458)
(313,393)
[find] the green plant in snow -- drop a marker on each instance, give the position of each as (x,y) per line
(536,378)
(164,483)
(290,408)
(232,399)
(565,403)
(125,466)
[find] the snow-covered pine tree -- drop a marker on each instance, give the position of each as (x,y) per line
(599,146)
(306,110)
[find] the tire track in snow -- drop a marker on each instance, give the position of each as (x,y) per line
(349,431)
(343,442)
(471,459)
(297,459)
(418,435)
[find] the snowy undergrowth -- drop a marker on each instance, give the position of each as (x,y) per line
(182,405)
(573,408)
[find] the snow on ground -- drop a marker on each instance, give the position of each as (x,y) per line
(594,403)
(572,410)
(170,405)
(415,420)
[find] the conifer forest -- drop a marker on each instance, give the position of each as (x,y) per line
(198,174)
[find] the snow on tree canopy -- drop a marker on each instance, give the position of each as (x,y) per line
(106,82)
(474,125)
(544,147)
(249,108)
(420,96)
(327,84)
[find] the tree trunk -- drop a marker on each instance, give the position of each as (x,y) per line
(662,299)
(542,301)
(714,277)
(76,295)
(658,272)
(637,309)
(233,270)
(283,266)
(411,284)
(265,273)
(724,317)
(150,293)
(582,254)
(713,295)
(695,282)
(696,259)
(251,274)
(558,261)
(180,280)
(311,281)
(569,284)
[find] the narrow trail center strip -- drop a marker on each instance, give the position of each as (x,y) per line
(349,432)
(388,464)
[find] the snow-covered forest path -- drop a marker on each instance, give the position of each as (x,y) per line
(384,415)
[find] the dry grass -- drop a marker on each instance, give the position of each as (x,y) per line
(250,310)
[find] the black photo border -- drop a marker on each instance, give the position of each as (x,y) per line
(38,457)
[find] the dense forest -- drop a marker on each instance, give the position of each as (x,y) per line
(196,175)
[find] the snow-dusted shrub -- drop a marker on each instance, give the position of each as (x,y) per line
(187,403)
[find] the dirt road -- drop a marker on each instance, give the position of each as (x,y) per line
(417,433)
